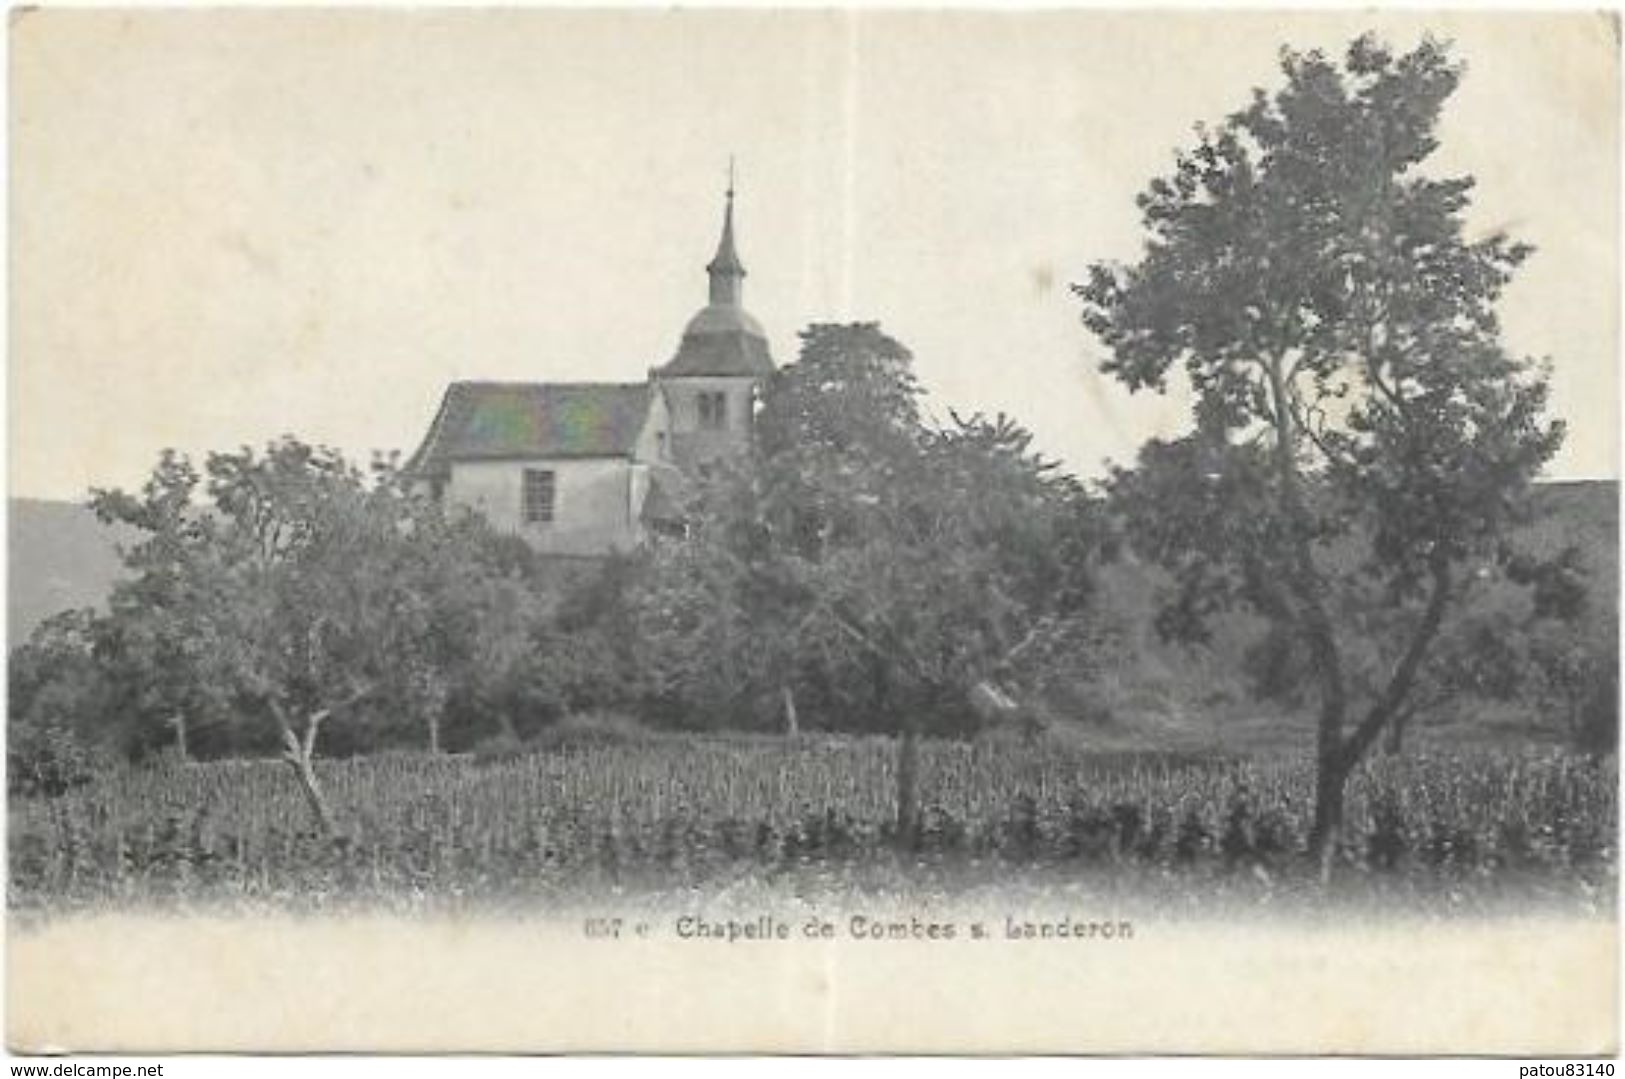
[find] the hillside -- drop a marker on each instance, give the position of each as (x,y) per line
(1196,697)
(1586,514)
(59,556)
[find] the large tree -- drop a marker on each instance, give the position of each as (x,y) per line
(300,590)
(872,566)
(1362,439)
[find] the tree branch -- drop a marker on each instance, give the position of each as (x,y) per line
(1300,418)
(1305,583)
(290,741)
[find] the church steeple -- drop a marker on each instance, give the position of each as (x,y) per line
(722,340)
(726,271)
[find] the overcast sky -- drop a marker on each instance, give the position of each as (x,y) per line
(227,226)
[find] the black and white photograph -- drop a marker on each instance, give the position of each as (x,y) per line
(817,531)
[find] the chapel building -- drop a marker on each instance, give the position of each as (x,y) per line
(585,468)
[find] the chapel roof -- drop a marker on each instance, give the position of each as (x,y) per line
(506,420)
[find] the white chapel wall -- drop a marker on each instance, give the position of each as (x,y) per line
(592,502)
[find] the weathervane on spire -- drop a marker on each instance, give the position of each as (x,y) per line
(730,177)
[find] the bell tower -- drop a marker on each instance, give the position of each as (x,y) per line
(712,382)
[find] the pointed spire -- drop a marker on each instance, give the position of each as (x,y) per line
(727,272)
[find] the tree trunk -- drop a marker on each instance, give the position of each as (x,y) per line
(1331,777)
(791,726)
(1304,583)
(178,721)
(1332,762)
(300,753)
(313,792)
(908,786)
(435,695)
(505,722)
(908,758)
(1339,756)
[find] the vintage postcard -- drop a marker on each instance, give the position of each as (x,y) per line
(813,531)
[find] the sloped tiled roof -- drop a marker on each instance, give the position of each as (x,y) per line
(496,420)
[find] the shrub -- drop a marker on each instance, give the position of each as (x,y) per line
(50,758)
(583,730)
(498,747)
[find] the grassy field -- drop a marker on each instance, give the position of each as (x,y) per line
(696,816)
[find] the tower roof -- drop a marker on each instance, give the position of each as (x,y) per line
(722,339)
(726,261)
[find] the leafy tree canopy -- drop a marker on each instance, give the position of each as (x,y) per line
(296,589)
(874,564)
(1362,440)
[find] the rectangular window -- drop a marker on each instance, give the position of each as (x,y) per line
(536,495)
(713,411)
